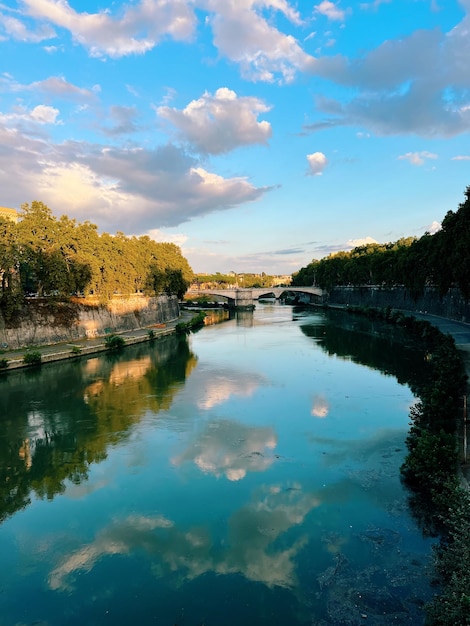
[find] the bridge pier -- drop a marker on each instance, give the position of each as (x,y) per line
(243,300)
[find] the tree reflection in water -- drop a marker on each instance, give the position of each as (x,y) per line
(71,413)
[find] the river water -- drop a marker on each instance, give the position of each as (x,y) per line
(248,474)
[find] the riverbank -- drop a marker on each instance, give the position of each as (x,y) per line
(452,306)
(88,346)
(48,321)
(459,331)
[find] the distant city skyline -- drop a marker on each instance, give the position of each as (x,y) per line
(255,134)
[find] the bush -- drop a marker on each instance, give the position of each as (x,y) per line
(114,342)
(193,325)
(76,349)
(32,358)
(452,606)
(3,364)
(181,328)
(197,322)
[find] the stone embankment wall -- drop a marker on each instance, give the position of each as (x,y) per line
(43,322)
(452,305)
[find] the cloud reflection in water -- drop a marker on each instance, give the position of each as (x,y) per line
(210,388)
(251,548)
(229,448)
(320,407)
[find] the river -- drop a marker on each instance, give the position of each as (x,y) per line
(247,474)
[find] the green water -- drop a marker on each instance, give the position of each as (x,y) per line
(246,475)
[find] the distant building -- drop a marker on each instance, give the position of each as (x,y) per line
(10,214)
(282,280)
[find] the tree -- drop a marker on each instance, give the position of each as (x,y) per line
(175,284)
(11,293)
(46,255)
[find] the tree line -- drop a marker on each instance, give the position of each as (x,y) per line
(225,281)
(45,255)
(440,260)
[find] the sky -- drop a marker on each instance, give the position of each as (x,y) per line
(257,135)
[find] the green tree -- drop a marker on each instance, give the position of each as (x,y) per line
(11,293)
(47,255)
(455,240)
(175,284)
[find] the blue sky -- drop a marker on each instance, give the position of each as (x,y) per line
(255,134)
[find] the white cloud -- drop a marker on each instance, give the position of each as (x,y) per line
(355,243)
(21,118)
(221,122)
(245,37)
(130,189)
(136,31)
(282,6)
(434,227)
(58,87)
(415,85)
(16,29)
(462,157)
(54,86)
(156,234)
(44,114)
(317,162)
(417,158)
(242,31)
(74,188)
(330,10)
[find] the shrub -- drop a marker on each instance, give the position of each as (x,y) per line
(32,358)
(114,342)
(181,328)
(193,325)
(197,322)
(76,349)
(3,364)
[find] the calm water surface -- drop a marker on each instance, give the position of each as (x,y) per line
(247,475)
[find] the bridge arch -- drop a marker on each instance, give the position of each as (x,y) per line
(245,298)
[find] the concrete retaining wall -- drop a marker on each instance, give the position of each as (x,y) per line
(44,322)
(452,305)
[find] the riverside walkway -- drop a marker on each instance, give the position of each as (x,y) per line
(460,331)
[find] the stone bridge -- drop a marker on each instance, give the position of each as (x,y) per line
(245,298)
